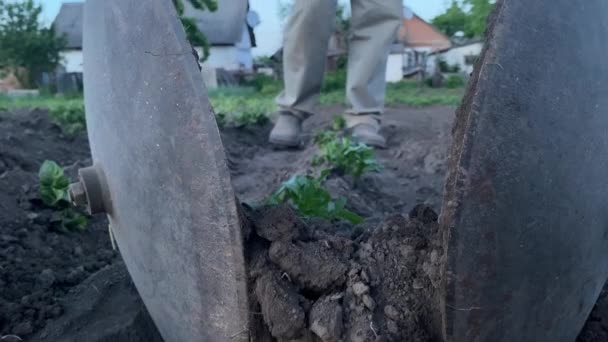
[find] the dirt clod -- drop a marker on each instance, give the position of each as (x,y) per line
(365,286)
(313,265)
(277,223)
(280,306)
(326,318)
(359,289)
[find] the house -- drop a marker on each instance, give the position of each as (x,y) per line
(229,31)
(463,54)
(416,48)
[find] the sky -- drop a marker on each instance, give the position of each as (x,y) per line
(268,33)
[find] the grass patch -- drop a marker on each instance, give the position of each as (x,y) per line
(406,93)
(251,104)
(43,101)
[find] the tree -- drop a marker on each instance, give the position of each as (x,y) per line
(477,17)
(468,16)
(194,35)
(453,20)
(27,48)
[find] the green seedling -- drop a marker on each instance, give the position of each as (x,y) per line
(53,190)
(308,196)
(338,124)
(69,116)
(344,155)
(53,184)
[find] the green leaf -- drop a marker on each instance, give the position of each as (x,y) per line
(350,216)
(308,196)
(338,124)
(53,183)
(344,155)
(72,221)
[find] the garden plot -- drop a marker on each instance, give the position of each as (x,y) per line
(342,280)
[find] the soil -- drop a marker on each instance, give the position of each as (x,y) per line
(414,163)
(375,285)
(310,279)
(39,264)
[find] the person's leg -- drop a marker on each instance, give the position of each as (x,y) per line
(374,25)
(304,53)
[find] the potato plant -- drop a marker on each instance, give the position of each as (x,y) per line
(308,196)
(53,192)
(343,155)
(69,116)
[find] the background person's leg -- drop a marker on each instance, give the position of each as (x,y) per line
(307,34)
(374,25)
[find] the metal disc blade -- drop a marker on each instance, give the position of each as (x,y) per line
(525,205)
(154,135)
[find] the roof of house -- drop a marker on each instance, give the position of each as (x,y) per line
(69,23)
(222,27)
(456,43)
(416,32)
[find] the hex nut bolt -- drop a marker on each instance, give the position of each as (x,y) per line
(78,196)
(92,184)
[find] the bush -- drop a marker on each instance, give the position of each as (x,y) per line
(454,81)
(70,116)
(446,68)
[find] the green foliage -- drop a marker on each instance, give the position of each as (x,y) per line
(72,221)
(453,20)
(27,48)
(478,14)
(53,191)
(454,81)
(445,67)
(194,35)
(70,116)
(240,107)
(264,84)
(308,196)
(344,155)
(53,183)
(335,80)
(406,92)
(42,101)
(468,16)
(338,124)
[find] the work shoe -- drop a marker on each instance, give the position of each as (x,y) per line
(368,134)
(287,131)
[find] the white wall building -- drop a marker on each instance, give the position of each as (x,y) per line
(227,30)
(416,48)
(464,55)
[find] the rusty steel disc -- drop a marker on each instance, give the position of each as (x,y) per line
(170,203)
(525,212)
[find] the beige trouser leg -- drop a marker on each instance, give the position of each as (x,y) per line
(304,53)
(374,26)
